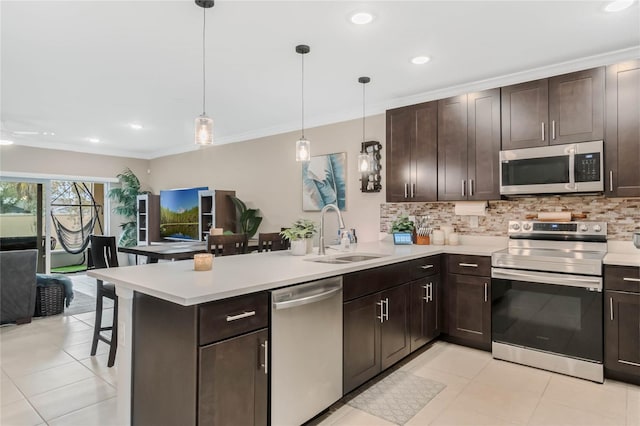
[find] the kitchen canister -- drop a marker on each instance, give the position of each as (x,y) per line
(454,239)
(448,230)
(437,237)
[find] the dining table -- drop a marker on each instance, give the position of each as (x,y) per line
(174,250)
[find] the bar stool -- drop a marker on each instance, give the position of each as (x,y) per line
(104,255)
(271,241)
(225,245)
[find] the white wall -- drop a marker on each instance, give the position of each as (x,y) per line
(265,175)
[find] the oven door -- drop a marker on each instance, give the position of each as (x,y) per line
(556,313)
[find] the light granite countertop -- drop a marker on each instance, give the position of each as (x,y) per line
(622,253)
(237,275)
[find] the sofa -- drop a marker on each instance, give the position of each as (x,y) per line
(17,285)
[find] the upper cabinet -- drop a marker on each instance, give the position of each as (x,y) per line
(412,153)
(622,142)
(468,146)
(559,110)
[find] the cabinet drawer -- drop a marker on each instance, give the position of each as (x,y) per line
(369,281)
(469,265)
(622,278)
(227,318)
(424,267)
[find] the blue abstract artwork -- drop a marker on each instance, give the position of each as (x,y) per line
(324,181)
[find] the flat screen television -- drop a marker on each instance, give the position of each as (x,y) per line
(179,214)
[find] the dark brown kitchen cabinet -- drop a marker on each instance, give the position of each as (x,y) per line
(233,381)
(411,155)
(200,364)
(469,146)
(559,110)
(376,334)
(468,289)
(425,311)
(622,323)
(622,140)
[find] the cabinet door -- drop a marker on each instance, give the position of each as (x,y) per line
(576,107)
(394,331)
(622,146)
(425,311)
(361,341)
(622,332)
(470,309)
(525,111)
(233,381)
(398,164)
(452,148)
(483,145)
(424,153)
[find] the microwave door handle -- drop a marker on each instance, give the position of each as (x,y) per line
(572,169)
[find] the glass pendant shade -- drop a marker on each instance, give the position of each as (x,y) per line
(364,162)
(303,150)
(204,130)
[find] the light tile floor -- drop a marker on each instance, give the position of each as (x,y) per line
(49,378)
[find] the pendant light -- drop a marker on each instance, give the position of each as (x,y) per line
(303,146)
(364,159)
(204,124)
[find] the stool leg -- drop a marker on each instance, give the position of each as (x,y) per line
(98,324)
(114,335)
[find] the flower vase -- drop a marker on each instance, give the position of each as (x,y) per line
(299,247)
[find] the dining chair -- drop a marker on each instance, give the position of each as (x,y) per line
(105,255)
(271,241)
(227,245)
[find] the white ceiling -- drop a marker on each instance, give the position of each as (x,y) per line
(86,69)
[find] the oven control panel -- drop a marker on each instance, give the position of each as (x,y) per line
(524,228)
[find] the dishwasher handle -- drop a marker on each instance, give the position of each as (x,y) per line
(306,300)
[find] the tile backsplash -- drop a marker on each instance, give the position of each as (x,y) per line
(621,214)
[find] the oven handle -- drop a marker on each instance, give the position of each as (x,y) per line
(547,278)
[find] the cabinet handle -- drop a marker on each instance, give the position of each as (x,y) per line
(486,292)
(426,293)
(553,129)
(386,310)
(430,292)
(542,130)
(611,180)
(463,187)
(406,190)
(265,345)
(427,266)
(240,316)
(469,265)
(611,308)
(413,190)
(381,317)
(635,280)
(470,187)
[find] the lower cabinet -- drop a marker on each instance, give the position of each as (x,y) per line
(425,320)
(622,323)
(233,385)
(469,300)
(376,334)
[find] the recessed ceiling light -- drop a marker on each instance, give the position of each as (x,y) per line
(24,133)
(618,5)
(93,140)
(420,60)
(5,142)
(361,18)
(135,126)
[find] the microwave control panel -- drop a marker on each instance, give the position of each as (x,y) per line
(587,167)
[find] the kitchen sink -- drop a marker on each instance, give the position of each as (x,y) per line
(346,258)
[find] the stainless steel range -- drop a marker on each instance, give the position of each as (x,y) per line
(547,297)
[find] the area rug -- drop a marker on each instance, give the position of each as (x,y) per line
(83,302)
(398,397)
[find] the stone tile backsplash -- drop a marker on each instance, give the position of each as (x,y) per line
(621,214)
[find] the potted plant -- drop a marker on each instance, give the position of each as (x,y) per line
(300,234)
(126,197)
(248,220)
(403,230)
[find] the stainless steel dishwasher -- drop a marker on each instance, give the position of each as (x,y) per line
(306,350)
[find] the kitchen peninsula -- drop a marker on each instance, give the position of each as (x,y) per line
(232,276)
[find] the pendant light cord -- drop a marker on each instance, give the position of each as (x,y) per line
(363,115)
(204,83)
(302,91)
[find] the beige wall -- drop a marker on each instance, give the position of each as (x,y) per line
(265,175)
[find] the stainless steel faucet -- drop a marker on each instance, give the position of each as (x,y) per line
(321,232)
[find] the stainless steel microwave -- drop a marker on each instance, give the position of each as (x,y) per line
(555,169)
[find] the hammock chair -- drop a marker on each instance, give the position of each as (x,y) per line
(75,241)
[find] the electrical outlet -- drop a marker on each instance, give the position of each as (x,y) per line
(473,221)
